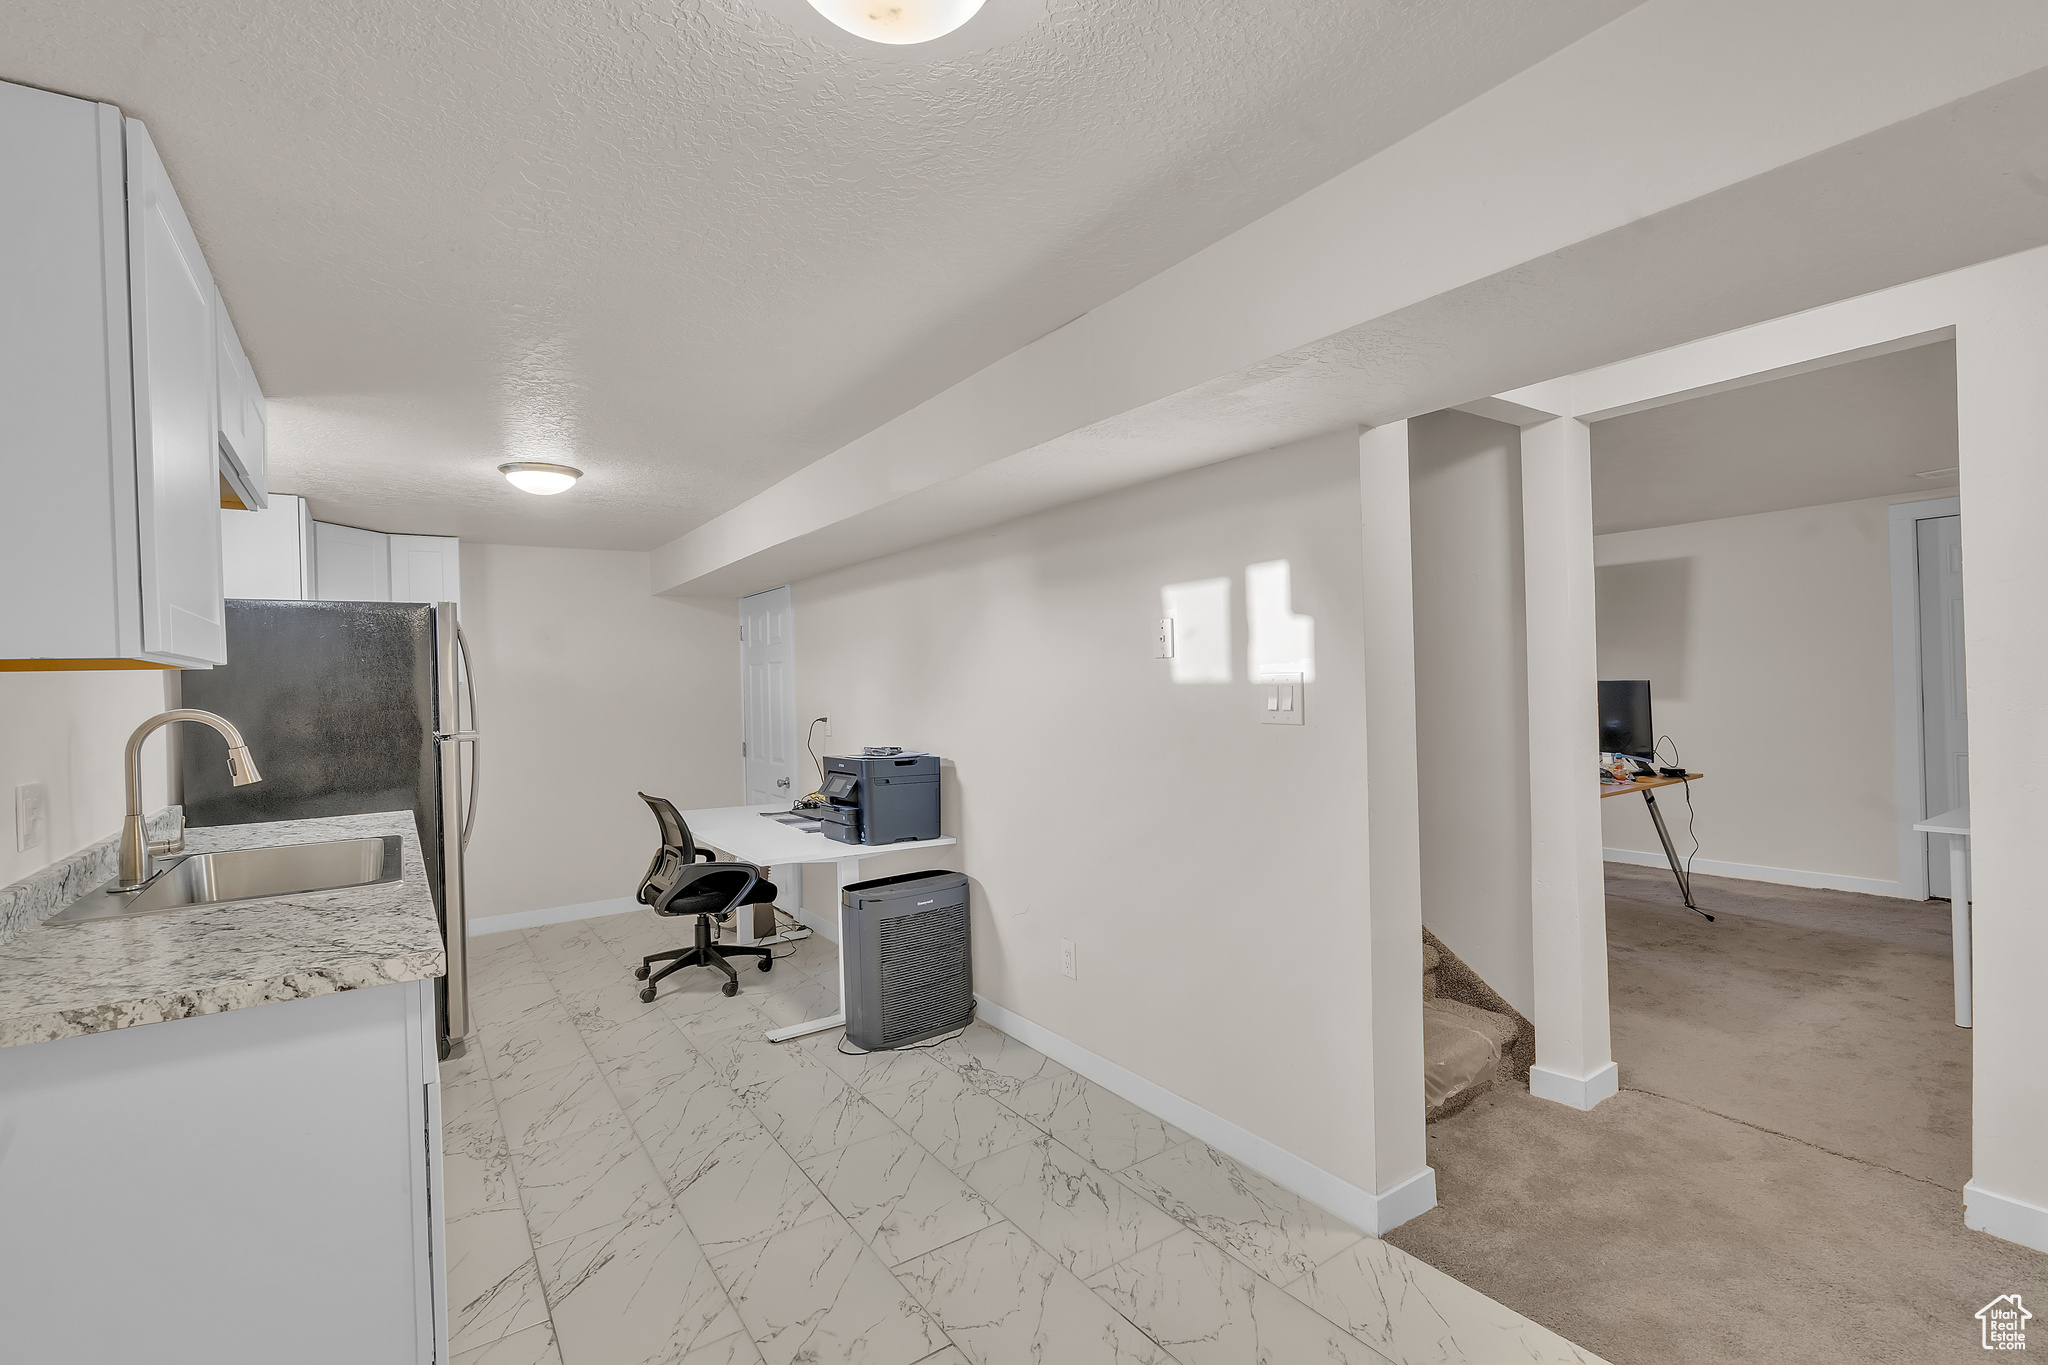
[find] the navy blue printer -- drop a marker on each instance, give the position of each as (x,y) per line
(880,799)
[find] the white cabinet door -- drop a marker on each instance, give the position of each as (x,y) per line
(177,465)
(244,416)
(350,564)
(67,512)
(263,553)
(426,569)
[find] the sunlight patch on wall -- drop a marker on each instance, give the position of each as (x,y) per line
(1279,641)
(1201,621)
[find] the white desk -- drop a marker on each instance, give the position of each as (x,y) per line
(744,835)
(1956,825)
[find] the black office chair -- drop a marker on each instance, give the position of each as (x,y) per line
(677,884)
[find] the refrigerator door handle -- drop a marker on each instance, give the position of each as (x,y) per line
(454,892)
(475,747)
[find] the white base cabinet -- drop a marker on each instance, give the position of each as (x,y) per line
(232,1189)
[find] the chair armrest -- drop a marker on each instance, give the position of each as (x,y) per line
(707,855)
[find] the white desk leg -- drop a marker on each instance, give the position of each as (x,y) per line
(1959,912)
(849,872)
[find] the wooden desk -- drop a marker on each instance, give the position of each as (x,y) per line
(1646,785)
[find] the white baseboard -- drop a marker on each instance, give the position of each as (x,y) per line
(554,914)
(1375,1213)
(2003,1216)
(818,924)
(1749,872)
(1579,1092)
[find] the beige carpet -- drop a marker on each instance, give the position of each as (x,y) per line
(1780,1179)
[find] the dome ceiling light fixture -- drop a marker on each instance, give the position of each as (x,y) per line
(898,22)
(537,476)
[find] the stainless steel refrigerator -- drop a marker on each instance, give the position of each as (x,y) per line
(350,708)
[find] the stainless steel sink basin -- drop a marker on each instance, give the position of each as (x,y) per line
(198,880)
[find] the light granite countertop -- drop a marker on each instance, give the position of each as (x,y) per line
(59,981)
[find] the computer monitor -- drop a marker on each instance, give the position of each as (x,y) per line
(1625,719)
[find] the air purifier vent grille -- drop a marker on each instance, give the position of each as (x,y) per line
(925,982)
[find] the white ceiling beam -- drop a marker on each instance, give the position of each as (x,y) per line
(1665,112)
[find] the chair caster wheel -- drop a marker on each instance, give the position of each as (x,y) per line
(767,963)
(640,972)
(730,988)
(647,994)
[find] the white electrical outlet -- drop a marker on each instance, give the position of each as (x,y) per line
(1162,643)
(1067,959)
(31,815)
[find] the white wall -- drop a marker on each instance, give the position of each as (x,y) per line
(68,731)
(588,690)
(1206,865)
(1471,695)
(1768,645)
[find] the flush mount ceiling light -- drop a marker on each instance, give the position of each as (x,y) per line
(909,33)
(898,22)
(536,476)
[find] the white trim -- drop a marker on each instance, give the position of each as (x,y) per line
(2001,1215)
(1909,744)
(554,914)
(1375,1213)
(1750,872)
(1575,1091)
(819,925)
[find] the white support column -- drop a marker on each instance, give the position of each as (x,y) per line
(1403,1184)
(1568,902)
(2002,423)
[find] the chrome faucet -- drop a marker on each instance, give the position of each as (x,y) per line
(138,854)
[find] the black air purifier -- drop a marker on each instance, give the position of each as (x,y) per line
(908,972)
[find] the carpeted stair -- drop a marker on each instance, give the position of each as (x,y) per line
(1471,1038)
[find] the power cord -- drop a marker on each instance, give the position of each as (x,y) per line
(1691,817)
(816,798)
(840,1046)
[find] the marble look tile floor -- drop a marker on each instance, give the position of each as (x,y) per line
(657,1184)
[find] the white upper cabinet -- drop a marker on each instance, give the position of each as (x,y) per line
(350,564)
(177,459)
(109,429)
(354,565)
(268,551)
(426,569)
(244,415)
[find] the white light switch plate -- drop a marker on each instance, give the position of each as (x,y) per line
(1280,698)
(31,815)
(1162,643)
(1067,956)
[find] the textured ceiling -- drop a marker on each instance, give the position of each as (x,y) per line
(691,247)
(1861,430)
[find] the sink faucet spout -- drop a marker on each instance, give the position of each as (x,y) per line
(137,855)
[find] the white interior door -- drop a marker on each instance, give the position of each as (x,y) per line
(768,697)
(1944,717)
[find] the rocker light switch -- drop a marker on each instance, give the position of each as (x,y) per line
(1282,699)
